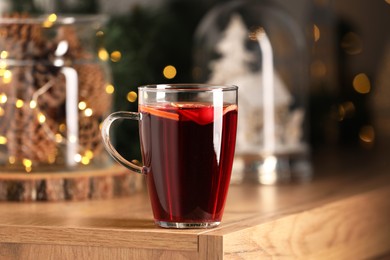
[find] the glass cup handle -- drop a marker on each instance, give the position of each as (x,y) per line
(110,148)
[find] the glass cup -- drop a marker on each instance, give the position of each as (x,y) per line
(188,137)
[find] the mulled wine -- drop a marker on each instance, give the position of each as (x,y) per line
(188,150)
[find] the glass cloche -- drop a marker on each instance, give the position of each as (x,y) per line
(261,49)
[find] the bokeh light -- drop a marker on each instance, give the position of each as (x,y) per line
(116,56)
(169,72)
(361,83)
(346,110)
(316,33)
(131,96)
(103,54)
(110,89)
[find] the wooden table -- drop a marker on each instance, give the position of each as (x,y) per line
(343,214)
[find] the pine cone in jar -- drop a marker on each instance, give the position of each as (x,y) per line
(30,136)
(89,136)
(91,74)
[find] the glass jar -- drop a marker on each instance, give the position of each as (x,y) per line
(54,93)
(261,49)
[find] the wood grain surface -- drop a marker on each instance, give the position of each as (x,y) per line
(343,214)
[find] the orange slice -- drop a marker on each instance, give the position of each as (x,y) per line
(229,108)
(160,113)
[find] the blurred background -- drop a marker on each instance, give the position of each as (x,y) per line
(348,45)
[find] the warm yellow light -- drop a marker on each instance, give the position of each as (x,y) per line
(7,76)
(33,104)
(88,112)
(387,1)
(169,72)
(59,138)
(11,159)
(72,139)
(116,56)
(110,89)
(62,127)
(19,103)
(316,33)
(3,54)
(3,139)
(367,134)
(77,158)
(52,18)
(27,163)
(131,96)
(99,33)
(89,154)
(82,105)
(51,158)
(41,118)
(3,98)
(47,24)
(361,83)
(346,110)
(2,112)
(351,43)
(103,54)
(85,160)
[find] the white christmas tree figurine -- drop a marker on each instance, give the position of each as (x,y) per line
(233,67)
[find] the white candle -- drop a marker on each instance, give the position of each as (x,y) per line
(268,92)
(72,114)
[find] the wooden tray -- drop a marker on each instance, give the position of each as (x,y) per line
(94,184)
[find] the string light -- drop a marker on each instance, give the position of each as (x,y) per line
(3,98)
(7,76)
(19,103)
(131,96)
(3,139)
(33,104)
(88,112)
(99,33)
(59,138)
(11,159)
(62,128)
(41,118)
(316,33)
(103,54)
(89,154)
(49,21)
(51,158)
(85,160)
(27,165)
(346,110)
(367,135)
(361,83)
(169,72)
(116,56)
(82,105)
(110,89)
(3,54)
(77,158)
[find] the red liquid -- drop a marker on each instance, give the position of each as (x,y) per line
(189,166)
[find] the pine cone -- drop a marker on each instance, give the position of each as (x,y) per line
(38,79)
